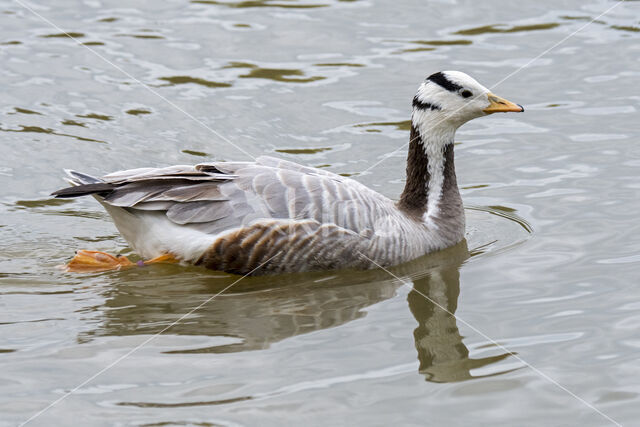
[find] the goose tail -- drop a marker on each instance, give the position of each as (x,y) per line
(82,185)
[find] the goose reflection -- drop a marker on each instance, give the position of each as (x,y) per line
(260,311)
(442,354)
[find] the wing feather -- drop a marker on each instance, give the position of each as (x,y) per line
(214,197)
(195,212)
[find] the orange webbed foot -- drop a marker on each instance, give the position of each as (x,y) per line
(93,261)
(162,259)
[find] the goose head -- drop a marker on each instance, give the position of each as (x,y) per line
(444,102)
(448,99)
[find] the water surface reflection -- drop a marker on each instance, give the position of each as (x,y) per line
(261,311)
(443,355)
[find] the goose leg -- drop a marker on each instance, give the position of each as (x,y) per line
(95,261)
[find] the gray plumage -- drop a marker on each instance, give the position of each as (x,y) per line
(306,219)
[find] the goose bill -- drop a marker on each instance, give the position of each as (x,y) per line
(501,105)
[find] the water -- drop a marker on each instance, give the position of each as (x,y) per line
(550,269)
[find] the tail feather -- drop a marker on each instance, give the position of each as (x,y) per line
(78,178)
(83,185)
(101,189)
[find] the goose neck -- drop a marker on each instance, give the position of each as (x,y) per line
(431,191)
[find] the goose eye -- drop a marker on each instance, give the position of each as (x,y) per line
(466,93)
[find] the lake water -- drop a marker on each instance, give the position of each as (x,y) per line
(546,290)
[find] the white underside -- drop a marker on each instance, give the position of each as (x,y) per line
(152,234)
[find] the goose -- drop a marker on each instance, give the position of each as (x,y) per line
(275,216)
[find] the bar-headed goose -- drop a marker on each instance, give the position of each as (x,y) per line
(273,215)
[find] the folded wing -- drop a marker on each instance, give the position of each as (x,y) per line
(214,197)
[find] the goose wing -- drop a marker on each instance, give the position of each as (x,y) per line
(214,197)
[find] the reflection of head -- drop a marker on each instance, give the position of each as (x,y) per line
(442,354)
